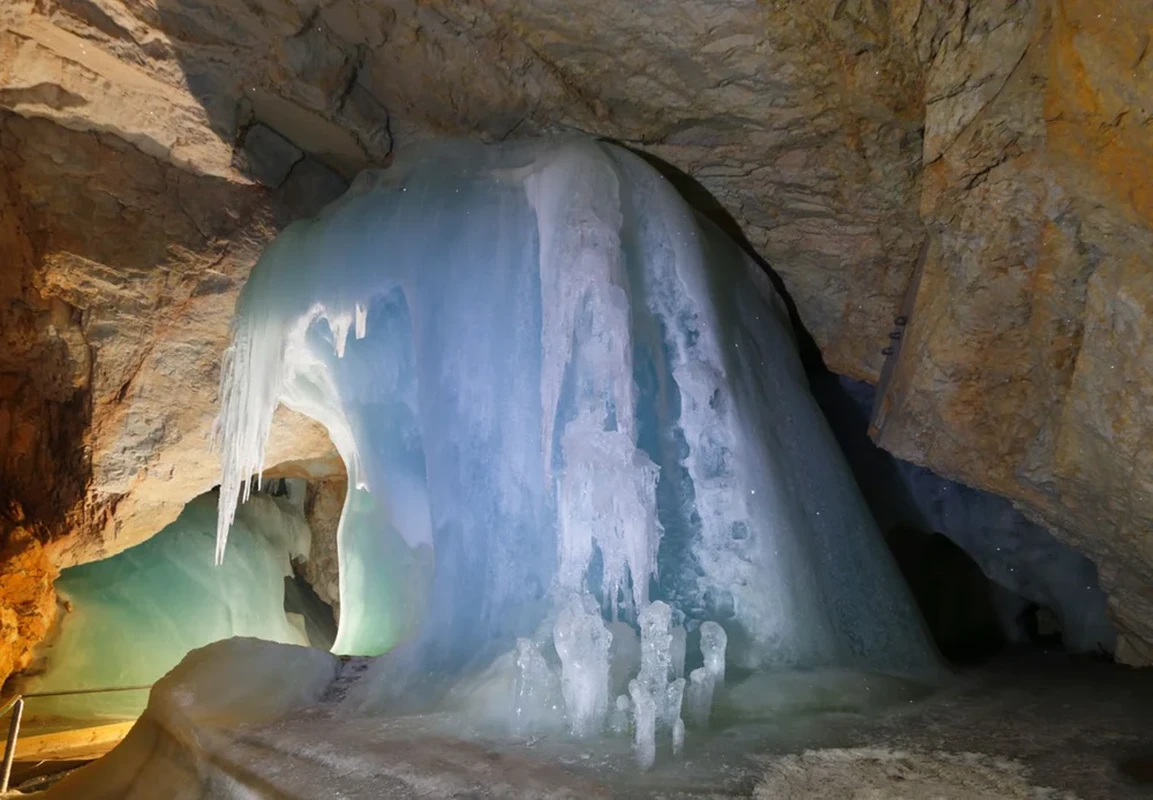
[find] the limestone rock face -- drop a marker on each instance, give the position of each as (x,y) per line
(27,595)
(150,149)
(137,265)
(323,507)
(1027,367)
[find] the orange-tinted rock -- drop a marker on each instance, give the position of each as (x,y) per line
(1027,368)
(27,596)
(323,507)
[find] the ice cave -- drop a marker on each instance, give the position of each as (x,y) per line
(649,400)
(133,617)
(593,502)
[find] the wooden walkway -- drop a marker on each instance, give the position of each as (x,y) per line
(72,745)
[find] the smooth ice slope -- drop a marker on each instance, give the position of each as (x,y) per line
(547,375)
(134,616)
(185,745)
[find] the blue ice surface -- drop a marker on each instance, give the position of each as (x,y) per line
(134,616)
(547,374)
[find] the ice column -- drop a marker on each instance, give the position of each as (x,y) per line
(583,642)
(656,700)
(704,681)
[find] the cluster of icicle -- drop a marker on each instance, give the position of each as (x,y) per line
(599,660)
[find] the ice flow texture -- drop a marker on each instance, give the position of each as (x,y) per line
(135,615)
(559,379)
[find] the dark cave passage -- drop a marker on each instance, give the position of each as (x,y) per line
(984,576)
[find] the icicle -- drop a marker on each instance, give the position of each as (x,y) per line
(361,320)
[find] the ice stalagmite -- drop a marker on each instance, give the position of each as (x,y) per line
(714,641)
(537,693)
(699,697)
(582,642)
(704,682)
(549,377)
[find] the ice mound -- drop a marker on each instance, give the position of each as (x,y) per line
(550,379)
(184,744)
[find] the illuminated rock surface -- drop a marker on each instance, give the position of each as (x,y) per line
(151,150)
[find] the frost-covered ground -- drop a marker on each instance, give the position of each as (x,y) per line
(1026,727)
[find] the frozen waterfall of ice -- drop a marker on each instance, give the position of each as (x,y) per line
(549,377)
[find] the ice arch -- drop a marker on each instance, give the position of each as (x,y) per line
(134,616)
(560,379)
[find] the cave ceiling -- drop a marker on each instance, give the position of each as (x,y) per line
(983,167)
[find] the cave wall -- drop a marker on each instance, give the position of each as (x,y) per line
(1026,368)
(151,148)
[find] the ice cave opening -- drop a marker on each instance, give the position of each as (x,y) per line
(129,619)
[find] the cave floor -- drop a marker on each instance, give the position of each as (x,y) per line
(1027,725)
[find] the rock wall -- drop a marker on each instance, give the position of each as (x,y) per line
(1026,368)
(323,507)
(150,149)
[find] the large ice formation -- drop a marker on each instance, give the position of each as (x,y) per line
(134,616)
(550,379)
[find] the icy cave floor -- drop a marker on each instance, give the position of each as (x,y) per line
(1028,725)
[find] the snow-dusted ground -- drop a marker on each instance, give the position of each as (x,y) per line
(1027,727)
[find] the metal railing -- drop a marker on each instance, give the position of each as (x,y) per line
(16,705)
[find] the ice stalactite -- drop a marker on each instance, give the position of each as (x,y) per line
(548,377)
